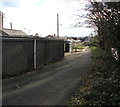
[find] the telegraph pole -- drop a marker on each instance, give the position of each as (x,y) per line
(57,25)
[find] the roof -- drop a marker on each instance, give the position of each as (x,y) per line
(3,33)
(51,36)
(55,37)
(1,13)
(62,37)
(13,32)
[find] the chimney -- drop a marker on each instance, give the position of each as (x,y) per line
(1,20)
(11,25)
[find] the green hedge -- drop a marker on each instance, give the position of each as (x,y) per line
(102,83)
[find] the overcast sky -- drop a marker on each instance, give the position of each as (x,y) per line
(40,16)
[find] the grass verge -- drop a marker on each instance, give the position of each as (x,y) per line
(101,84)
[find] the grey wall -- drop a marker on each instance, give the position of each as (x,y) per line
(17,53)
(49,51)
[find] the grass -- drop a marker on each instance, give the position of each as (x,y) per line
(79,47)
(101,84)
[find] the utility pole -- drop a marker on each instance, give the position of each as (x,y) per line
(1,20)
(57,25)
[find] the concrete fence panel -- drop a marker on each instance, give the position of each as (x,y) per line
(18,53)
(41,52)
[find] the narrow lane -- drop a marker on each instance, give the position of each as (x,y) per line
(52,85)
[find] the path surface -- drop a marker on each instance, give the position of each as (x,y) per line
(52,85)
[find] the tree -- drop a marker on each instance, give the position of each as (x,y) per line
(105,16)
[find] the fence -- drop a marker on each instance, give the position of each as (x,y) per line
(18,53)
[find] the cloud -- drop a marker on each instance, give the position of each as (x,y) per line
(40,16)
(9,3)
(105,0)
(40,2)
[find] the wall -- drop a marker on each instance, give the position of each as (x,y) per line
(18,53)
(50,50)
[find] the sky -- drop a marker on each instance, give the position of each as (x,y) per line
(40,16)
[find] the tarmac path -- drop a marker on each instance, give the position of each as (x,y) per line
(54,84)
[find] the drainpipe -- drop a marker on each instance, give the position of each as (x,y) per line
(35,53)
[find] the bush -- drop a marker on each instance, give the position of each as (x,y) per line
(101,85)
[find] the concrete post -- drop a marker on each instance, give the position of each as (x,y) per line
(35,53)
(70,47)
(1,71)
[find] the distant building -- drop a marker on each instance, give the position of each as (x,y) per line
(13,32)
(10,32)
(73,39)
(55,37)
(51,37)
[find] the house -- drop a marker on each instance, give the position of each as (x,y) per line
(13,32)
(51,36)
(73,39)
(56,37)
(10,32)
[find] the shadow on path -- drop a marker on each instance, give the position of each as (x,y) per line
(52,85)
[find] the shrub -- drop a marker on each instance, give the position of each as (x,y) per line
(101,85)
